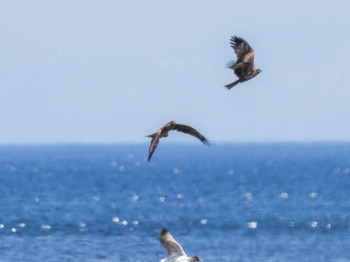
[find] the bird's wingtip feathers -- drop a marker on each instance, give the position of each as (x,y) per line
(230,64)
(207,142)
(236,40)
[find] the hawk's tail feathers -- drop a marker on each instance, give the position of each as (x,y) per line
(229,86)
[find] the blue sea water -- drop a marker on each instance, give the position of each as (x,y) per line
(228,202)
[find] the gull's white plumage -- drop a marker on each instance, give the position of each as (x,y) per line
(174,249)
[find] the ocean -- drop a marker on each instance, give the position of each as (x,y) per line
(227,202)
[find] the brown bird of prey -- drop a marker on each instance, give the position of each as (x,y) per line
(172,125)
(175,250)
(244,66)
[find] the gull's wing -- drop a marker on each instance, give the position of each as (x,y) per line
(173,248)
(191,131)
(243,50)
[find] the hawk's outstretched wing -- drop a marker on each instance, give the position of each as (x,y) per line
(163,131)
(153,145)
(191,131)
(242,49)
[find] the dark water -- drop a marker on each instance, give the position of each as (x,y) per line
(249,202)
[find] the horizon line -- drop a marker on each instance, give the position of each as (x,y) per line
(173,142)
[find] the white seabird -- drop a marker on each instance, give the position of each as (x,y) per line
(174,249)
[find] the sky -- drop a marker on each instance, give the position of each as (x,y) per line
(115,71)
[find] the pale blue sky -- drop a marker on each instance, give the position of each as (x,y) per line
(115,71)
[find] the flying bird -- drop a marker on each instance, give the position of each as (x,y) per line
(174,249)
(172,125)
(244,66)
